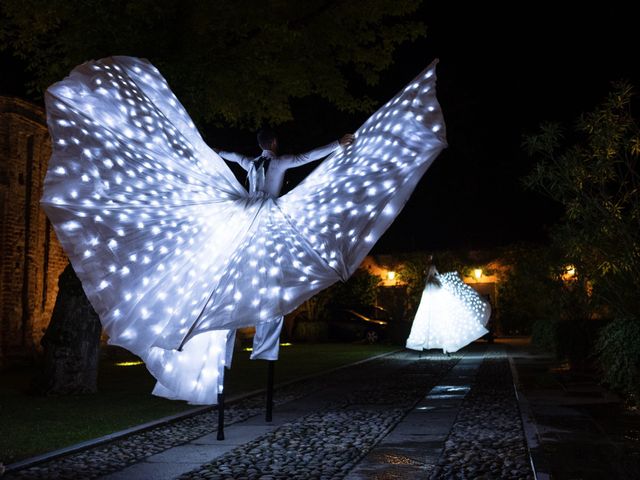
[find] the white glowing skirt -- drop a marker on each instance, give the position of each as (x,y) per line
(449,317)
(170,247)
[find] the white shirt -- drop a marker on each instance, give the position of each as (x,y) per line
(271,184)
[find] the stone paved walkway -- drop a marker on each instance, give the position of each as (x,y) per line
(403,415)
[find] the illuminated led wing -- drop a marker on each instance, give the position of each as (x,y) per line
(173,253)
(448,317)
(170,249)
(479,310)
(143,209)
(270,273)
(194,373)
(322,230)
(345,205)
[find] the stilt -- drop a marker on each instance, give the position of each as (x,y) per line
(269,414)
(221,416)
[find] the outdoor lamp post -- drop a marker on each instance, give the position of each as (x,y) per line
(569,273)
(391,276)
(477,273)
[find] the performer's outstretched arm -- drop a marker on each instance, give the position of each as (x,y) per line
(244,162)
(290,161)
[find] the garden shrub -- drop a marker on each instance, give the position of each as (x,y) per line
(311,331)
(618,354)
(544,335)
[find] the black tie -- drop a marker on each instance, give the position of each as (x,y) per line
(264,163)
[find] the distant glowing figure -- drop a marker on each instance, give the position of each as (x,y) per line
(451,314)
(174,254)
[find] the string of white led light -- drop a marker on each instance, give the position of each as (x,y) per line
(449,317)
(173,253)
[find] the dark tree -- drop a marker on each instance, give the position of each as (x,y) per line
(592,171)
(230,62)
(71,342)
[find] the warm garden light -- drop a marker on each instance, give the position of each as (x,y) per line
(569,273)
(391,275)
(477,273)
(129,364)
(174,254)
(283,344)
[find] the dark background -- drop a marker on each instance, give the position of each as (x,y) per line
(502,72)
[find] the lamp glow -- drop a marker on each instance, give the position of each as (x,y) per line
(569,273)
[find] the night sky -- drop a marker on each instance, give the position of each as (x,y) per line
(501,73)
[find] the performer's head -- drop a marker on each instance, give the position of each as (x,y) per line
(267,139)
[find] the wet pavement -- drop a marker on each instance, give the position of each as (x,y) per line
(576,429)
(490,411)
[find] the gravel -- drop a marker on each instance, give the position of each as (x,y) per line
(355,408)
(487,439)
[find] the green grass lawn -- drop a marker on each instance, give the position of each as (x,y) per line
(33,425)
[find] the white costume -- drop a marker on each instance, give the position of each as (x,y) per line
(271,182)
(451,314)
(172,251)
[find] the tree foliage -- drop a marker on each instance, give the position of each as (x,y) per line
(592,171)
(230,62)
(360,289)
(619,350)
(530,290)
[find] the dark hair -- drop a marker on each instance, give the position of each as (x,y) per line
(266,136)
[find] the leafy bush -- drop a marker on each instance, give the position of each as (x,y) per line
(618,353)
(359,289)
(577,340)
(529,293)
(308,321)
(591,171)
(544,334)
(311,331)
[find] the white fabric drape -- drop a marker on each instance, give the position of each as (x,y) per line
(450,316)
(173,252)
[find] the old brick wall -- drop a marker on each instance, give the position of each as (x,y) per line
(31,258)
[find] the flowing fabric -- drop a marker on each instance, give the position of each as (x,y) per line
(174,254)
(449,316)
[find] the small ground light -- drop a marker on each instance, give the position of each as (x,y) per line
(129,364)
(477,273)
(285,344)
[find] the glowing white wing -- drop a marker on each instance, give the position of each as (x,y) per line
(141,207)
(170,248)
(345,205)
(449,316)
(478,309)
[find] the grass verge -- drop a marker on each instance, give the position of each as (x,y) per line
(33,425)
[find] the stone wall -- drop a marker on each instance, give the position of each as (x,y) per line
(31,258)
